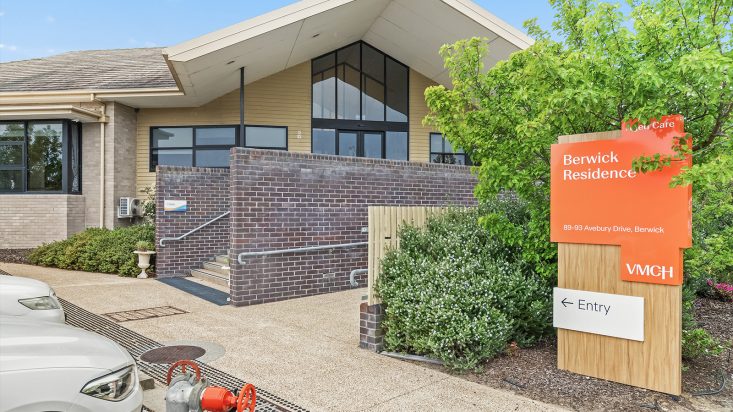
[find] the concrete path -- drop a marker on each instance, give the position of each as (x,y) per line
(304,350)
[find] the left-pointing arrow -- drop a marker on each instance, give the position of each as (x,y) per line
(566,303)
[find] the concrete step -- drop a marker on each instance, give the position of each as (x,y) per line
(210,276)
(221,268)
(222,259)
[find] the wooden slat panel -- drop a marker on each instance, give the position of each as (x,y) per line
(653,364)
(384,224)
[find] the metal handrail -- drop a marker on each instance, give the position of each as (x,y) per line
(241,256)
(194,230)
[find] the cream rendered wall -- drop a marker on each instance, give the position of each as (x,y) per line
(283,99)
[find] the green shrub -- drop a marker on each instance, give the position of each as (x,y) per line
(97,250)
(711,254)
(454,292)
(698,342)
(148,204)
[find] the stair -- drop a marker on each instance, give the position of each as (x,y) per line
(215,271)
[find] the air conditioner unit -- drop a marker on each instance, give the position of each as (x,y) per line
(129,207)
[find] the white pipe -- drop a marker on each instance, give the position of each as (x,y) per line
(102,167)
(353,274)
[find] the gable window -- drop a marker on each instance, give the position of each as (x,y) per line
(360,103)
(40,156)
(208,146)
(441,151)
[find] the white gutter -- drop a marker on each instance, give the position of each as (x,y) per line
(74,96)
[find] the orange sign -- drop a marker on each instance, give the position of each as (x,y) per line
(597,198)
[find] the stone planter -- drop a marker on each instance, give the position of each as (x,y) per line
(143,262)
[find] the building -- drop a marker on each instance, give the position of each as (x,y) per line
(80,130)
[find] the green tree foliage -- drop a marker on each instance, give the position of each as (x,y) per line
(661,57)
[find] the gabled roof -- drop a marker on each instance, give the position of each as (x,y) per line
(89,70)
(411,31)
(197,71)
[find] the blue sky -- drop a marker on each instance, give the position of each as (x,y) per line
(37,28)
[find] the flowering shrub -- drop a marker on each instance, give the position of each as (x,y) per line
(454,292)
(722,290)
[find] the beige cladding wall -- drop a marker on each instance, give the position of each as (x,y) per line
(419,134)
(33,219)
(283,99)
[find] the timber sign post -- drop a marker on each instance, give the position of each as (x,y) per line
(620,238)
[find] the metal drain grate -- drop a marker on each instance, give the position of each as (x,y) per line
(138,344)
(140,314)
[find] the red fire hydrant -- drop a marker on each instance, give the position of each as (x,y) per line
(189,392)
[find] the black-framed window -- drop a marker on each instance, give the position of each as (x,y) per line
(441,151)
(360,103)
(359,83)
(209,146)
(360,143)
(42,156)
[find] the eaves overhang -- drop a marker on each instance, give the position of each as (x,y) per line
(52,111)
(411,31)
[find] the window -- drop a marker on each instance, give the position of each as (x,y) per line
(40,156)
(360,103)
(441,151)
(266,137)
(208,146)
(358,82)
(376,145)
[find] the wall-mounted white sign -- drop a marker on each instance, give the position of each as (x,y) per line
(606,314)
(175,205)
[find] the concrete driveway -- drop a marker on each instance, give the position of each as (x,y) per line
(303,350)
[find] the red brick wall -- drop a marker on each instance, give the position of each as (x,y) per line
(207,193)
(286,200)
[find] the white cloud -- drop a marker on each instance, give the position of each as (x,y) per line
(2,13)
(8,47)
(50,19)
(150,44)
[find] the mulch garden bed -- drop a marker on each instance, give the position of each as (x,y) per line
(15,255)
(533,373)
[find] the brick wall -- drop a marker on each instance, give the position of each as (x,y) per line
(121,155)
(285,200)
(371,334)
(26,221)
(207,193)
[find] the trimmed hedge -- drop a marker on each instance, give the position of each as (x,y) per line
(453,292)
(97,250)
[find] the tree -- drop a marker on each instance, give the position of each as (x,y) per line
(660,57)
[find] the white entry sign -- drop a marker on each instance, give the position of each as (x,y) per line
(619,316)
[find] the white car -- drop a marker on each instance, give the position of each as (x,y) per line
(29,298)
(46,366)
